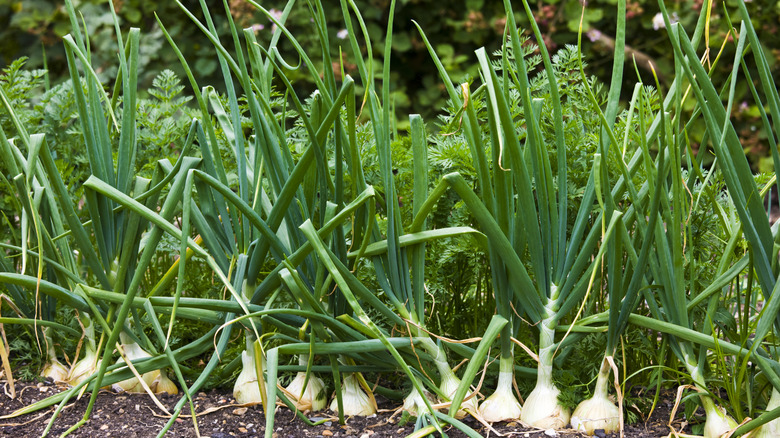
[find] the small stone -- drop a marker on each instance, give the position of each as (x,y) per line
(43,388)
(242,429)
(104,427)
(327,433)
(601,433)
(511,424)
(399,431)
(239,411)
(367,434)
(551,432)
(137,407)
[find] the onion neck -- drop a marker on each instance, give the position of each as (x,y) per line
(546,346)
(50,352)
(89,333)
(504,382)
(602,380)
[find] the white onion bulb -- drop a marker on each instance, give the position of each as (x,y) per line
(717,422)
(83,368)
(502,405)
(414,403)
(313,398)
(134,352)
(54,369)
(771,429)
(542,410)
(246,389)
(449,385)
(597,412)
(356,402)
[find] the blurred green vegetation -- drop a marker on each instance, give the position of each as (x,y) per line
(33,28)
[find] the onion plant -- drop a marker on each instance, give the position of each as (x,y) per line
(524,209)
(108,245)
(400,270)
(389,256)
(738,177)
(273,181)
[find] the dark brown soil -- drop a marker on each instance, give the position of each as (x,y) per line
(136,415)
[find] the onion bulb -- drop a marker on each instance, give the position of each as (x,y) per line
(247,390)
(597,412)
(502,405)
(85,367)
(311,399)
(449,385)
(134,352)
(162,384)
(718,422)
(54,369)
(356,401)
(542,409)
(414,403)
(772,428)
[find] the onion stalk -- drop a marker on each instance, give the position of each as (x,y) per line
(538,259)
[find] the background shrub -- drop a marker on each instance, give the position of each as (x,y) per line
(33,28)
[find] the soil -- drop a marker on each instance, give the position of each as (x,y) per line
(136,415)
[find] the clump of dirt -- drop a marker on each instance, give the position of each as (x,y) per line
(136,415)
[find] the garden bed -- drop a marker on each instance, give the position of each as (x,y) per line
(136,415)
